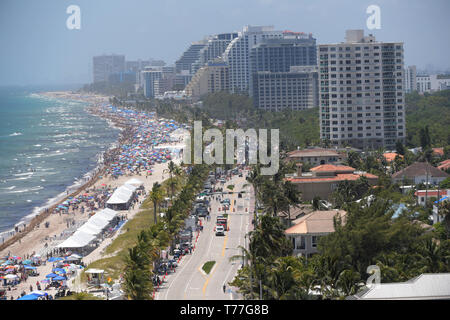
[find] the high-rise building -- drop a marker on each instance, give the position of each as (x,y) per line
(211,78)
(410,79)
(432,83)
(237,54)
(151,75)
(361,92)
(280,54)
(293,90)
(214,48)
(105,65)
(189,57)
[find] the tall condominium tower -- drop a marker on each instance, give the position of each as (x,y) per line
(237,54)
(410,79)
(105,65)
(361,92)
(211,78)
(278,55)
(190,56)
(213,49)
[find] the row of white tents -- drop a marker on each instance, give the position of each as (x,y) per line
(122,196)
(96,224)
(90,230)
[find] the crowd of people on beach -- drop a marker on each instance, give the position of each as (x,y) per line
(136,153)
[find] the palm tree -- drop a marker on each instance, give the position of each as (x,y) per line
(137,275)
(291,196)
(255,178)
(173,170)
(156,196)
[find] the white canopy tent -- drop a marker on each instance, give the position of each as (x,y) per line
(78,240)
(90,229)
(107,213)
(98,222)
(135,182)
(120,196)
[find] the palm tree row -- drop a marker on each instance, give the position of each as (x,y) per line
(142,258)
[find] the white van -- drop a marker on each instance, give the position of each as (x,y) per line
(220,231)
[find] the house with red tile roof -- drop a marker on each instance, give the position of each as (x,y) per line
(322,180)
(444,165)
(438,152)
(390,156)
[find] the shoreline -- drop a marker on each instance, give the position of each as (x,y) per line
(29,222)
(32,239)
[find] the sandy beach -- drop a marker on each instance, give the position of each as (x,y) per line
(52,226)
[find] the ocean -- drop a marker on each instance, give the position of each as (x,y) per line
(47,146)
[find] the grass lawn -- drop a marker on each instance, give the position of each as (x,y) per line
(208,266)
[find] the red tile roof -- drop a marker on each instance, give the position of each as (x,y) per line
(432,193)
(332,168)
(438,151)
(390,156)
(338,177)
(444,165)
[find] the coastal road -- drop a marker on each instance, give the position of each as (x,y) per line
(189,282)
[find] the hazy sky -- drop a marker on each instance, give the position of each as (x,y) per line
(37,48)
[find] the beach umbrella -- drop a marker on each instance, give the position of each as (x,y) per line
(59,278)
(39,293)
(28,261)
(29,297)
(10,276)
(58,270)
(53,259)
(45,281)
(51,275)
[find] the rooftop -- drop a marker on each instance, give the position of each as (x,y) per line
(332,168)
(316,152)
(337,178)
(419,169)
(316,222)
(425,286)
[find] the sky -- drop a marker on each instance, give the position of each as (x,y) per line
(37,48)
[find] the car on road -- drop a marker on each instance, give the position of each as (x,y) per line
(220,231)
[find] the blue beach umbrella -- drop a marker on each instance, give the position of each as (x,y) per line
(52,259)
(59,278)
(51,275)
(29,297)
(57,270)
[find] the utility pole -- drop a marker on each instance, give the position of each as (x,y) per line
(426,189)
(260,290)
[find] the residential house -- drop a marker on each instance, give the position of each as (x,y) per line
(422,195)
(323,180)
(307,230)
(420,172)
(294,213)
(316,156)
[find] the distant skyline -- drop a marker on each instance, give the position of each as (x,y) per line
(38,49)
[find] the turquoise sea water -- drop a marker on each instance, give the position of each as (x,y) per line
(46,146)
